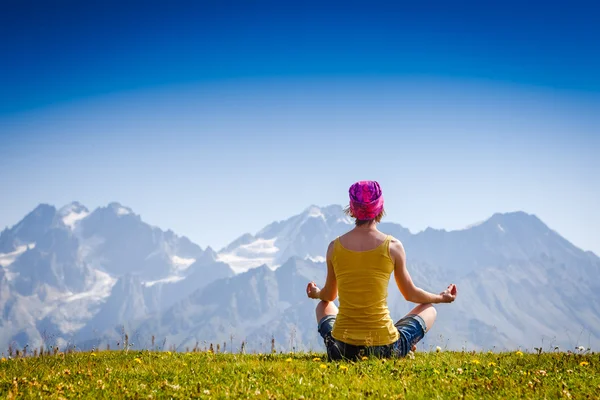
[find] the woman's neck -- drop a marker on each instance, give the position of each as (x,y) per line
(370,227)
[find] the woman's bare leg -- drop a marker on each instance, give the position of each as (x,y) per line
(428,313)
(325,308)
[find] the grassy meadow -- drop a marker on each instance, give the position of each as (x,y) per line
(431,375)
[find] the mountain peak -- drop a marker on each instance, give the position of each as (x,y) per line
(119,209)
(72,213)
(73,207)
(42,209)
(209,250)
(331,209)
(314,212)
(516,218)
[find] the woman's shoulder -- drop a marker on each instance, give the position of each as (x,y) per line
(390,238)
(331,246)
(393,239)
(396,249)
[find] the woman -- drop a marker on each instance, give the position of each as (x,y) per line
(359,265)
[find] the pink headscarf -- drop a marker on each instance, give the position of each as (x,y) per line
(366,200)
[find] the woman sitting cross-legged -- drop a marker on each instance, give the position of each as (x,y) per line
(359,266)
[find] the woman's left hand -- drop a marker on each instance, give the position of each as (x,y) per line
(312,290)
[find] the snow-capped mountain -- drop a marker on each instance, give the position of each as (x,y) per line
(305,235)
(71,275)
(59,269)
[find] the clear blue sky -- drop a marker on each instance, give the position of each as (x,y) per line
(214,119)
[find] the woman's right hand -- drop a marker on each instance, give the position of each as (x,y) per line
(449,294)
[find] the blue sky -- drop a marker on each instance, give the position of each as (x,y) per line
(214,119)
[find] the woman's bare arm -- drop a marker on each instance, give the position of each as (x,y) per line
(330,290)
(405,283)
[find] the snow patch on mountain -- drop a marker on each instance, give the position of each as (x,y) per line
(472,225)
(317,259)
(260,246)
(72,218)
(119,209)
(73,213)
(315,212)
(241,264)
(181,264)
(345,220)
(251,255)
(101,285)
(123,211)
(8,258)
(168,279)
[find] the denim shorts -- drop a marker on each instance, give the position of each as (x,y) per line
(411,329)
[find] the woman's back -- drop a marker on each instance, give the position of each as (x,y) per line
(363,266)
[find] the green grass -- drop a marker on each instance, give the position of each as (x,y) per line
(447,375)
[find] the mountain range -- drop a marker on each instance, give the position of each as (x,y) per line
(71,276)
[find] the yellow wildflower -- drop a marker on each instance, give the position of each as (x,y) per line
(93,354)
(322,366)
(584,363)
(519,353)
(316,359)
(343,368)
(475,362)
(491,364)
(168,353)
(435,371)
(288,360)
(496,371)
(365,358)
(3,359)
(137,360)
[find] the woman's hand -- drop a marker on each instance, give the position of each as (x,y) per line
(312,291)
(449,294)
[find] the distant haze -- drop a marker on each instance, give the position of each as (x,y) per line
(73,275)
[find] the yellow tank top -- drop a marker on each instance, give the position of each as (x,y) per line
(362,278)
